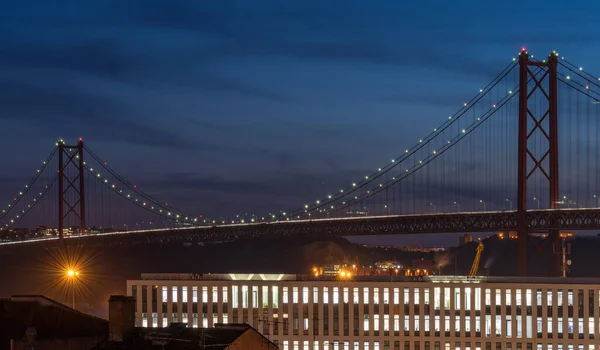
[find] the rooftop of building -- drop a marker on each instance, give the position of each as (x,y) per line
(380,278)
(50,319)
(178,336)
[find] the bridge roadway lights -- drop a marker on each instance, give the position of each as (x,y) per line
(537,221)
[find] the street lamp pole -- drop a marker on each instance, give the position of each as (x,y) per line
(538,202)
(433,206)
(484,205)
(457,206)
(72,275)
(597,200)
(510,203)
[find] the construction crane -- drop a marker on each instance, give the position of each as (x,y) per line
(475,265)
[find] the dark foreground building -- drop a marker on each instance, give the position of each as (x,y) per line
(36,322)
(124,335)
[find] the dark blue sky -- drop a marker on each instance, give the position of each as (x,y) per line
(263,105)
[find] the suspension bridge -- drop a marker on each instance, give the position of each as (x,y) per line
(494,165)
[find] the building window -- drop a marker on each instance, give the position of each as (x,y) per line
(254,296)
(396,323)
(488,297)
(205,294)
(195,320)
(447,298)
(295,295)
(467,324)
(275,296)
(144,320)
(426,294)
(225,295)
(165,294)
(366,323)
(365,295)
(325,295)
(518,299)
(507,295)
(406,296)
(345,295)
(406,323)
(305,295)
(436,298)
(265,296)
(305,323)
(456,298)
(244,296)
(154,320)
(528,297)
(436,323)
(336,295)
(184,318)
(234,296)
(376,323)
(285,295)
(498,295)
(396,296)
(315,295)
(184,294)
(417,323)
(215,294)
(225,318)
(468,305)
(417,296)
(386,323)
(355,295)
(165,321)
(375,295)
(194,294)
(174,294)
(570,297)
(477,299)
(386,295)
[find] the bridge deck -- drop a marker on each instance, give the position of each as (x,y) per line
(538,221)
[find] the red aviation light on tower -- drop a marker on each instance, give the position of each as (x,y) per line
(523,49)
(81,139)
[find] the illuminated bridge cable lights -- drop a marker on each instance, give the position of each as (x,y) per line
(30,206)
(424,162)
(466,131)
(409,152)
(158,210)
(417,165)
(133,188)
(16,199)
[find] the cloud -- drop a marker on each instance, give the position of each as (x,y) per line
(71,110)
(100,57)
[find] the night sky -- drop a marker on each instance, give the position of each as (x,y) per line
(227,106)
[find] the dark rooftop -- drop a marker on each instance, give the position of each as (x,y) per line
(178,336)
(49,318)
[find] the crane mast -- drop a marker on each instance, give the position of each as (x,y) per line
(475,265)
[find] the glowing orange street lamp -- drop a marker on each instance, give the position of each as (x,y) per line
(73,275)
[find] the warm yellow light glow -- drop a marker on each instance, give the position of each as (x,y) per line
(71,273)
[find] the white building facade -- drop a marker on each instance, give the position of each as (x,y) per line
(439,313)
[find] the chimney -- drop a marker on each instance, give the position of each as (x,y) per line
(121,317)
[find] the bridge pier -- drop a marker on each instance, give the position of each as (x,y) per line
(550,92)
(75,183)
